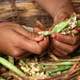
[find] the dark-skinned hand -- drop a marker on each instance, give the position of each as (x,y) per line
(16,41)
(63,45)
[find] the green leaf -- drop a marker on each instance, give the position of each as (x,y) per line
(59,27)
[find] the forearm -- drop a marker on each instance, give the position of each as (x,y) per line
(56,7)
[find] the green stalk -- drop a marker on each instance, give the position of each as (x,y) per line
(59,27)
(45,33)
(70,60)
(56,29)
(1,78)
(11,67)
(57,64)
(60,69)
(11,59)
(78,23)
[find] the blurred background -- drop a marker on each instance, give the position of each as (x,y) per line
(27,12)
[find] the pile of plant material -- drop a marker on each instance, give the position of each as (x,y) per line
(37,69)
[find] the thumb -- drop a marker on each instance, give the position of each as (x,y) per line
(68,39)
(39,26)
(39,38)
(54,35)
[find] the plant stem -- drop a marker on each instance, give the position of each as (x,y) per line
(11,67)
(11,59)
(1,78)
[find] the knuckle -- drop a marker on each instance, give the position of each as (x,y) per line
(15,53)
(38,51)
(45,41)
(72,49)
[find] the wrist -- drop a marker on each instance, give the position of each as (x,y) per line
(62,14)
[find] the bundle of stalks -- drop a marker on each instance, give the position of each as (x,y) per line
(35,69)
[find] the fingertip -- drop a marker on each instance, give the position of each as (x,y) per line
(54,35)
(39,38)
(15,53)
(40,25)
(59,54)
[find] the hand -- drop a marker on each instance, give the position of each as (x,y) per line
(64,10)
(58,9)
(63,45)
(15,41)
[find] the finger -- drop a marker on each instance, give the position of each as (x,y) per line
(39,38)
(23,54)
(21,31)
(63,53)
(58,54)
(68,39)
(44,43)
(39,26)
(29,35)
(61,17)
(37,29)
(64,47)
(12,51)
(29,46)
